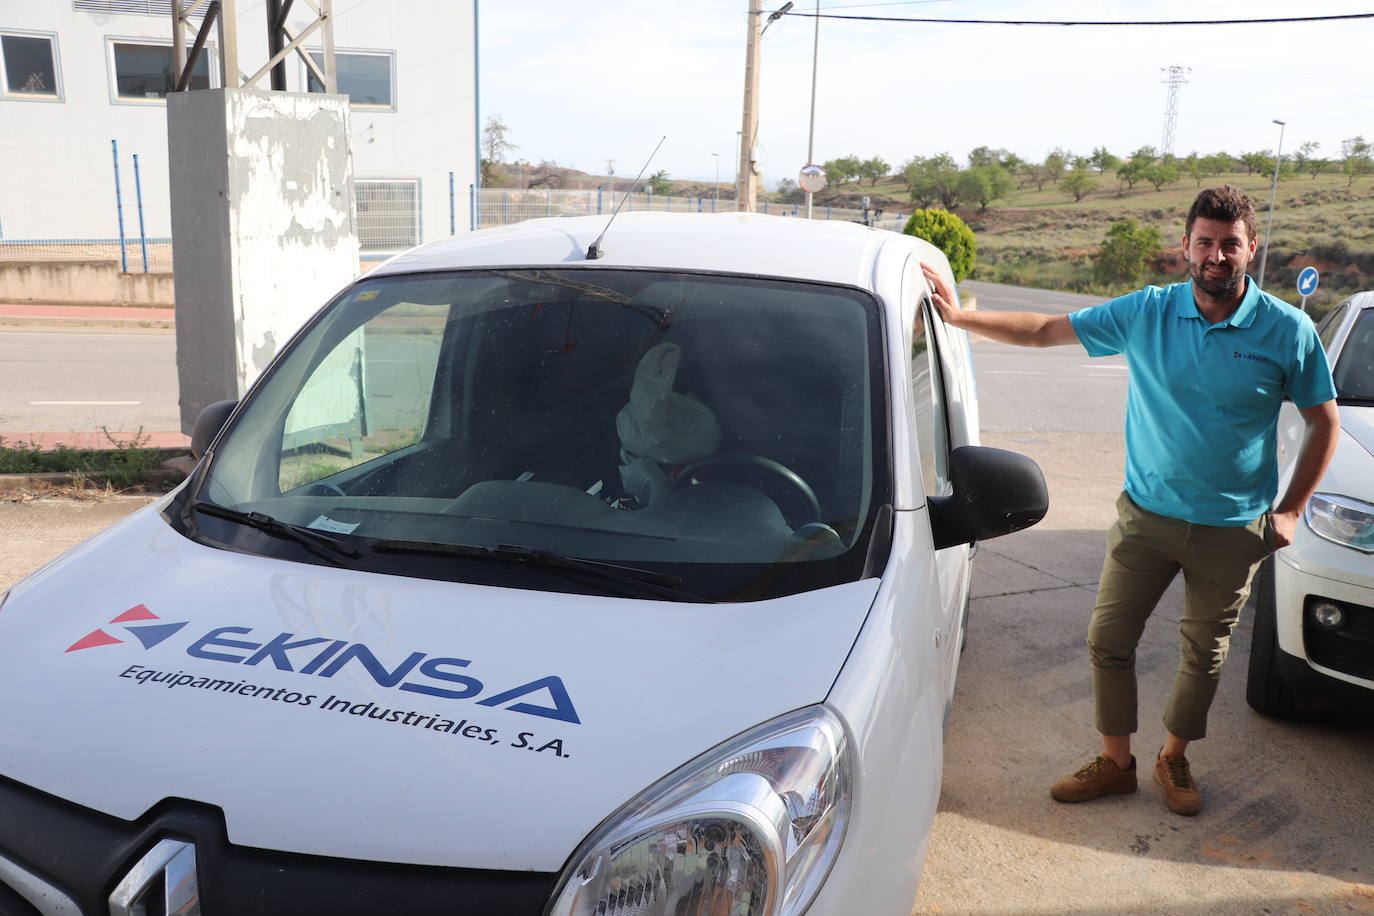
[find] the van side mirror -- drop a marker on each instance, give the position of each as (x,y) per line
(208,424)
(996,492)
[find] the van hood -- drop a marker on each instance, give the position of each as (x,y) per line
(351,714)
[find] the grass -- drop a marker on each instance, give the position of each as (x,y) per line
(124,464)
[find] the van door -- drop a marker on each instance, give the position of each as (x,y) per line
(934,390)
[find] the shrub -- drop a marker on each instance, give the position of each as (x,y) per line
(1128,247)
(948,233)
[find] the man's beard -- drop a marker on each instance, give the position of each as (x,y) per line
(1217,286)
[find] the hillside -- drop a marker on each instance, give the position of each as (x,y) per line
(1046,239)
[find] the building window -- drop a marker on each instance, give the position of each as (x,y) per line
(388,214)
(143,71)
(28,62)
(160,8)
(368,78)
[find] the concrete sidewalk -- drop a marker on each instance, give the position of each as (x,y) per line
(74,317)
(88,316)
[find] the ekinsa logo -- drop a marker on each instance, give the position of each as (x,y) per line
(318,656)
(149,634)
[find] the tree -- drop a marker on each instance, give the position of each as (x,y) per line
(1195,167)
(1035,174)
(1104,161)
(984,184)
(1078,183)
(948,233)
(1128,247)
(986,155)
(1256,162)
(843,170)
(1358,159)
(1054,164)
(1305,152)
(1217,163)
(495,146)
(932,179)
(1132,171)
(1160,173)
(660,183)
(875,169)
(1314,165)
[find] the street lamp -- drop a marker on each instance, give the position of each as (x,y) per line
(811,132)
(715,203)
(1273,192)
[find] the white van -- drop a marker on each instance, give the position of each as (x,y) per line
(528,582)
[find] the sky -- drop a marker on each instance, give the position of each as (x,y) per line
(583,83)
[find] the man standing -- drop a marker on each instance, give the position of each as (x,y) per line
(1210,362)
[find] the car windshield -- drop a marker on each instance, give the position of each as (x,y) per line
(729,431)
(1354,369)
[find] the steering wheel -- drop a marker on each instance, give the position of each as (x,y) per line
(749,469)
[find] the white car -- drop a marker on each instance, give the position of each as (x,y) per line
(1314,601)
(538,574)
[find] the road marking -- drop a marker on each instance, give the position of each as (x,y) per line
(1010,372)
(1105,366)
(84,403)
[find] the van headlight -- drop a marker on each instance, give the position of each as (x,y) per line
(750,828)
(1341,519)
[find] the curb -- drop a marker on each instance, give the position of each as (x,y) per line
(172,472)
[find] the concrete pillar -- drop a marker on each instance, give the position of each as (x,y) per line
(263,228)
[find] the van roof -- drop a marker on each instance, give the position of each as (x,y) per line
(745,243)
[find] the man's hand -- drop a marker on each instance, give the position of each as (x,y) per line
(1285,524)
(943,297)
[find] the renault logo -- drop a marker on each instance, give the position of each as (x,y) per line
(163,882)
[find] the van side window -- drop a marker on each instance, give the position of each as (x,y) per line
(927,385)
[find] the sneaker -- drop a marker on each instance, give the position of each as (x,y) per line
(1180,790)
(1100,777)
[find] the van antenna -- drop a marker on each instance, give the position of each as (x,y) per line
(594,250)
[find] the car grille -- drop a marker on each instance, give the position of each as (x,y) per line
(60,858)
(1349,650)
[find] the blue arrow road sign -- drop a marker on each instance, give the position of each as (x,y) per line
(1307,281)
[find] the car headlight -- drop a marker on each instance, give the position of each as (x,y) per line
(1342,520)
(749,828)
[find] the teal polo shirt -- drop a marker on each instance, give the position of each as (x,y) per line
(1204,398)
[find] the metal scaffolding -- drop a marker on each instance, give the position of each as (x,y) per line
(1175,77)
(280,42)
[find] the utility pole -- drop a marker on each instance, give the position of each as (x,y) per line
(748,182)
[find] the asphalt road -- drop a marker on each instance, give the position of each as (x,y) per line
(1289,808)
(80,379)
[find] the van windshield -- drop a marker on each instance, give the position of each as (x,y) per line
(729,431)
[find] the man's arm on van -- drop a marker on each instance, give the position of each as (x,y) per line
(1024,329)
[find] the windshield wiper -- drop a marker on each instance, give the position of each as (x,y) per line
(319,544)
(658,583)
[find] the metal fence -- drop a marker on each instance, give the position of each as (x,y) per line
(80,202)
(110,202)
(501,206)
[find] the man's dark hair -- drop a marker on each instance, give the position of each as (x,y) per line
(1227,204)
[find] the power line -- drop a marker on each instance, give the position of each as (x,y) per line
(1098,22)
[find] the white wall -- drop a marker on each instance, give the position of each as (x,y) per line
(56,169)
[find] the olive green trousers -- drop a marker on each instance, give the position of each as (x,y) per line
(1145,552)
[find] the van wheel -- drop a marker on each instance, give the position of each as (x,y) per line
(1265,689)
(963,623)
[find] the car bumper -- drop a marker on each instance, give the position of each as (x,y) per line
(1311,657)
